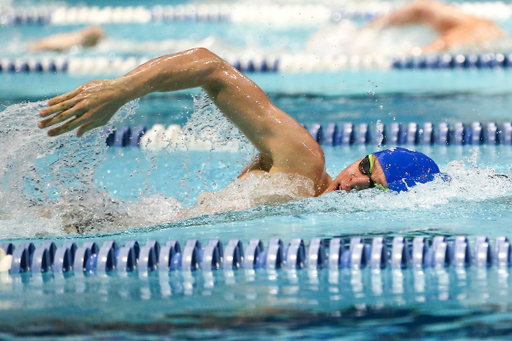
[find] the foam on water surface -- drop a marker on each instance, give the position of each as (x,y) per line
(48,186)
(43,180)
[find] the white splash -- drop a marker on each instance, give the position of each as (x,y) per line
(46,181)
(256,189)
(206,130)
(207,123)
(47,184)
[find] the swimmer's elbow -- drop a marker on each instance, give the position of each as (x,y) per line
(209,59)
(202,53)
(216,72)
(212,65)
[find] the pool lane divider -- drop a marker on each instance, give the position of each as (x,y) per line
(286,63)
(346,134)
(283,15)
(92,259)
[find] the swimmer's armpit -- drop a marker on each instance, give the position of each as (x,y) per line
(260,163)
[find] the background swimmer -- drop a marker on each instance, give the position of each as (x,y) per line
(87,37)
(453,26)
(450,28)
(285,146)
(438,27)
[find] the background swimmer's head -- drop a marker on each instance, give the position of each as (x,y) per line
(92,35)
(396,168)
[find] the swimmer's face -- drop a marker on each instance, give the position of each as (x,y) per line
(352,178)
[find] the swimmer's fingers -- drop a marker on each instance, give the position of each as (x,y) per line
(61,117)
(52,109)
(64,97)
(70,125)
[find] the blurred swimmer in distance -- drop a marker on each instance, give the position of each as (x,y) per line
(87,37)
(451,23)
(448,27)
(453,27)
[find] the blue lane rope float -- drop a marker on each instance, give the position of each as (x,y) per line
(336,253)
(285,14)
(459,61)
(347,134)
(296,63)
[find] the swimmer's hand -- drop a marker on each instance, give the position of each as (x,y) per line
(89,106)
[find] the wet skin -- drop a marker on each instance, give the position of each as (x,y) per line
(285,146)
(351,178)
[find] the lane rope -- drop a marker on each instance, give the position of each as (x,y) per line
(283,15)
(159,137)
(286,63)
(336,253)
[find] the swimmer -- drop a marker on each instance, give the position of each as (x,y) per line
(87,37)
(284,145)
(454,27)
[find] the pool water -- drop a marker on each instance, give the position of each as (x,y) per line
(282,304)
(146,192)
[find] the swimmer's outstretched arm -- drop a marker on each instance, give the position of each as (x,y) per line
(283,143)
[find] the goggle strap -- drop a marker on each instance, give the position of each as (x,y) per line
(370,157)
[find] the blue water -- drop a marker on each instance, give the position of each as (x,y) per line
(283,304)
(262,305)
(367,304)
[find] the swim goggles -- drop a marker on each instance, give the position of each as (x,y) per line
(366,168)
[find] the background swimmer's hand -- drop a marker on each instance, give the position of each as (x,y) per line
(89,106)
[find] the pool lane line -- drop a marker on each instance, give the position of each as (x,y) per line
(333,134)
(91,259)
(283,15)
(285,63)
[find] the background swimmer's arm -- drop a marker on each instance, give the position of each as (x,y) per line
(87,37)
(275,134)
(417,12)
(454,26)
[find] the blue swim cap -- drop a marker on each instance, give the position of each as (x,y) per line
(405,168)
